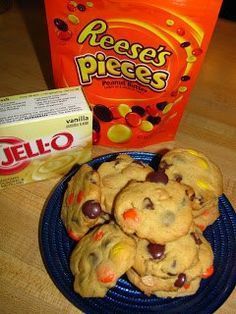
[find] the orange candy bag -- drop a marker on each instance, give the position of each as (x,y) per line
(137,61)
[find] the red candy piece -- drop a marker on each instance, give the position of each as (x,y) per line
(133,119)
(80,196)
(115,112)
(180,31)
(70,199)
(209,272)
(98,236)
(95,137)
(152,110)
(73,235)
(197,51)
(64,35)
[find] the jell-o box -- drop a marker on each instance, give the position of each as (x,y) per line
(137,61)
(43,135)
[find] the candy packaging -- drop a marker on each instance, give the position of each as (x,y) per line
(136,60)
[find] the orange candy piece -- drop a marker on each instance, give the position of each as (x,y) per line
(187,285)
(131,214)
(70,199)
(105,274)
(98,236)
(209,272)
(73,235)
(80,196)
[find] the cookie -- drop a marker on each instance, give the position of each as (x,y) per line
(81,208)
(100,258)
(173,270)
(156,211)
(196,170)
(116,174)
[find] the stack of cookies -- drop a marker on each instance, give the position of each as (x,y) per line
(129,218)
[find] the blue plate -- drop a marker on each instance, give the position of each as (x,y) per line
(56,248)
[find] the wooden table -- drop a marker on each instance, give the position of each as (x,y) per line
(208,124)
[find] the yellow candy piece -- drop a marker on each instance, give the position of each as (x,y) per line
(182,89)
(73,3)
(167,108)
(202,163)
(73,19)
(117,250)
(203,185)
(124,109)
(146,126)
(170,22)
(119,133)
(89,4)
(191,59)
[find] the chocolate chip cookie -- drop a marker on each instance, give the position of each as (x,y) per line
(174,269)
(116,174)
(81,208)
(201,174)
(156,211)
(100,258)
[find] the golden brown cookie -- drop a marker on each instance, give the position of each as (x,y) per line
(156,211)
(174,269)
(116,174)
(196,170)
(100,258)
(81,208)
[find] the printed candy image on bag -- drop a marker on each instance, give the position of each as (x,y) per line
(136,60)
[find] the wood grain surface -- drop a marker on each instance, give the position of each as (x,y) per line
(208,124)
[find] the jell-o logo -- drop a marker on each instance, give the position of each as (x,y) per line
(15,153)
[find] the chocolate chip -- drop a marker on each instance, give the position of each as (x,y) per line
(190,193)
(180,281)
(157,176)
(154,120)
(197,240)
(103,113)
(61,25)
(164,165)
(147,203)
(91,209)
(156,250)
(161,105)
(178,178)
(139,110)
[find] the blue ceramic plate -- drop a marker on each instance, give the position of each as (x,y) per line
(56,248)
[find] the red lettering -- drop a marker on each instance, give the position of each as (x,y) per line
(29,151)
(41,147)
(18,151)
(55,141)
(9,156)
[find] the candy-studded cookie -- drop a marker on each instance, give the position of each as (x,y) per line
(201,174)
(81,207)
(100,258)
(174,269)
(157,211)
(116,174)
